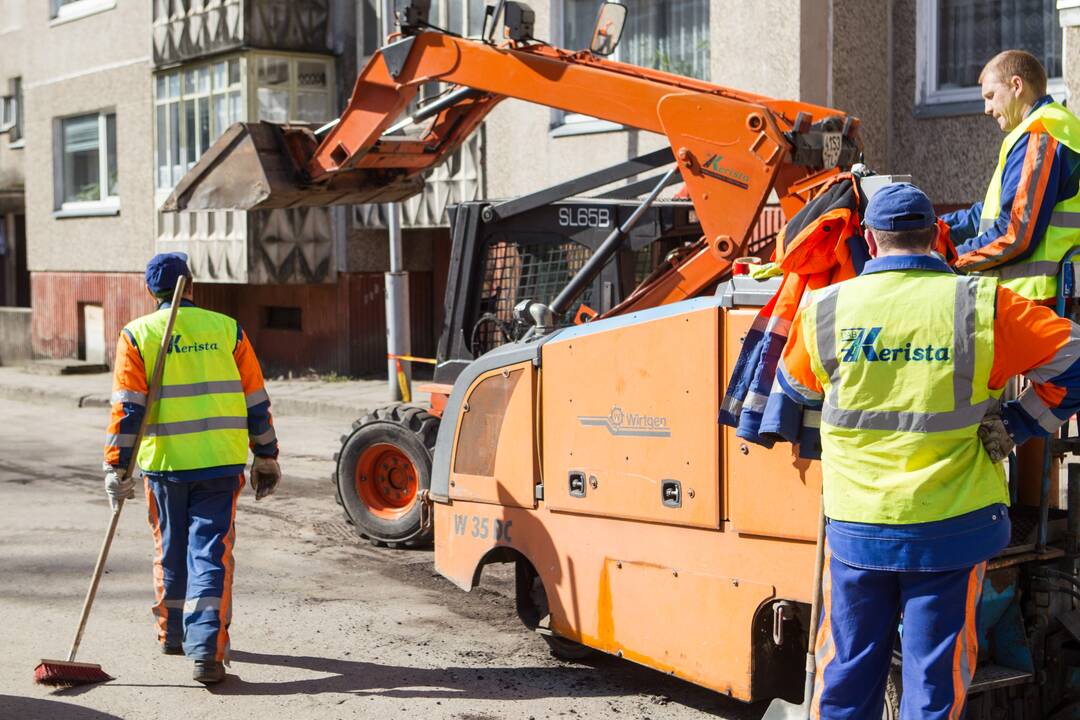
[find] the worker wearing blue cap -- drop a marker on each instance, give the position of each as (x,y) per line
(906,363)
(212,408)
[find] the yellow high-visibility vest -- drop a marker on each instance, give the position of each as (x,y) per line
(904,359)
(1035,277)
(200,418)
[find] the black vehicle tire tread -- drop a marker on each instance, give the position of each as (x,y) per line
(412,429)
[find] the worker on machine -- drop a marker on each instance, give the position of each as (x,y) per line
(1030,216)
(907,362)
(212,406)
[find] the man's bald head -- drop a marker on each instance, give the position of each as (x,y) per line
(1018,63)
(1011,83)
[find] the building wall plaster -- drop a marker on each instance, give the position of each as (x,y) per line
(119,243)
(951,158)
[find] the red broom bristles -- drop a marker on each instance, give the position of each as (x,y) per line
(61,673)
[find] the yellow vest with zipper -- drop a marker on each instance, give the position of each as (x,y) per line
(200,418)
(1035,277)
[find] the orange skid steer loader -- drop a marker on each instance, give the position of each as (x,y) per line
(590,456)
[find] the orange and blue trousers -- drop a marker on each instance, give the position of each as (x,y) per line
(865,611)
(194,533)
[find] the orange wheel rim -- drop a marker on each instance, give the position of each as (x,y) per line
(386,481)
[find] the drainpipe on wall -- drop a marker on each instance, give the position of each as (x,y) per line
(1069,18)
(397,280)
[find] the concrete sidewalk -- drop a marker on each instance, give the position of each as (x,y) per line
(341,399)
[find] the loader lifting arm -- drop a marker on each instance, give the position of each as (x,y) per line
(733,148)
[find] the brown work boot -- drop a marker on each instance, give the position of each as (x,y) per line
(208,672)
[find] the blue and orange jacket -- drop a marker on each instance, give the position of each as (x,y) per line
(130,387)
(1010,239)
(821,245)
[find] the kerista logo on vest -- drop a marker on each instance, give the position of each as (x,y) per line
(861,344)
(176,346)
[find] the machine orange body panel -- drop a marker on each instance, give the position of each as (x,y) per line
(678,599)
(646,417)
(499,465)
(770,491)
(680,589)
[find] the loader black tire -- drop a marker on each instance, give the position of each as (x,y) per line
(533,610)
(568,650)
(383,465)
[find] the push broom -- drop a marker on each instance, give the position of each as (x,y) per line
(66,673)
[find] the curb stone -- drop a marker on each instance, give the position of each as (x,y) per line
(283,406)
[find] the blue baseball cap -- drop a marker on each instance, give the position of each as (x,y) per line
(164,269)
(899,206)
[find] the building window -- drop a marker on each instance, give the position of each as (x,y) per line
(64,10)
(956,38)
(464,17)
(195,104)
(668,35)
(192,107)
(293,89)
(11,113)
(87,155)
(282,318)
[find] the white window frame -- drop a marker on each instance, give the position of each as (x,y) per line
(17,138)
(106,204)
(930,101)
(565,123)
(9,113)
(209,94)
(59,14)
(292,87)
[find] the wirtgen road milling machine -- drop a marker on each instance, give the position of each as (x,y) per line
(590,455)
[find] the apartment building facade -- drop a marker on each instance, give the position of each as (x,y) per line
(107,103)
(116,99)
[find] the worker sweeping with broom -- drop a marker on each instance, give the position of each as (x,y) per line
(207,405)
(213,405)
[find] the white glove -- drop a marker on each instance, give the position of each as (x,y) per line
(995,438)
(118,489)
(265,474)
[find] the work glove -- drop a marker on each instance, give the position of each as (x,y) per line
(265,474)
(118,488)
(995,438)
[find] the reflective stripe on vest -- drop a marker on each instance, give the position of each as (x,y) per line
(1035,277)
(904,360)
(200,418)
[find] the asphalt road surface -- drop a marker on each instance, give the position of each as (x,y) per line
(325,626)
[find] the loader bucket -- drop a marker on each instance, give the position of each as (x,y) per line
(261,166)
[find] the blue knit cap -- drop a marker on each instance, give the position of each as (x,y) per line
(163,270)
(899,206)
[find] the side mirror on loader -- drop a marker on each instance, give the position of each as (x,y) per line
(609,27)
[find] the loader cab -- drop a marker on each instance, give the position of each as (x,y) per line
(496,263)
